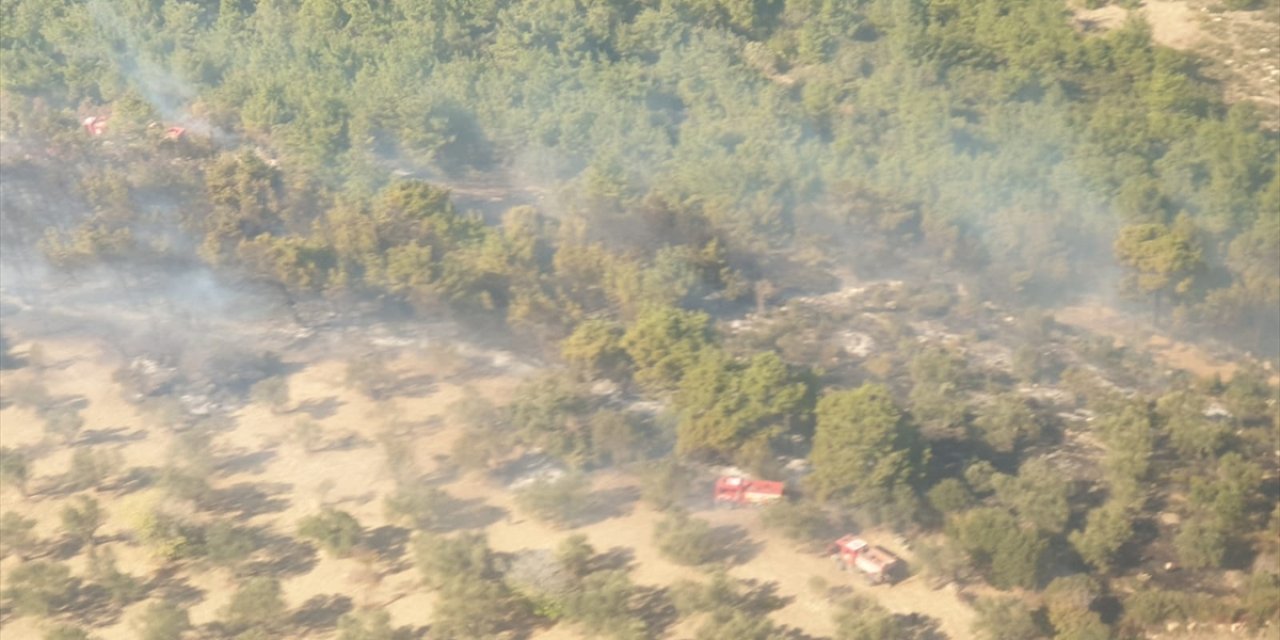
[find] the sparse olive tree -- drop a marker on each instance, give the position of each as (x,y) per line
(257,604)
(40,588)
(1005,619)
(92,466)
(15,471)
(82,518)
(17,535)
(685,540)
(121,587)
(337,532)
(666,484)
(66,632)
(561,501)
(369,625)
(575,554)
(162,621)
(422,507)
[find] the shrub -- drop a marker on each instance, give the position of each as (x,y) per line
(337,532)
(685,540)
(561,502)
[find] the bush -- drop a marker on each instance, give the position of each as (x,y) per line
(337,532)
(258,604)
(561,502)
(163,621)
(121,587)
(685,540)
(16,535)
(666,485)
(66,632)
(421,507)
(803,522)
(40,588)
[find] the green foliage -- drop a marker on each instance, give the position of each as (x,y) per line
(421,507)
(937,379)
(1069,600)
(1163,261)
(863,447)
(725,404)
(82,518)
(738,624)
(664,344)
(226,545)
(1009,555)
(14,469)
(91,466)
(1262,597)
(1130,439)
(1007,422)
(803,522)
(121,587)
(666,484)
(562,501)
(40,588)
(257,604)
(368,625)
(1038,494)
(616,438)
(162,621)
(574,554)
(1106,530)
(445,560)
(950,495)
(1151,607)
(861,618)
(595,348)
(604,606)
(685,540)
(549,412)
(16,535)
(168,537)
(1002,618)
(1194,436)
(66,632)
(337,532)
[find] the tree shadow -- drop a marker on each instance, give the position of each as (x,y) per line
(93,607)
(610,503)
(472,513)
(114,435)
(616,558)
(136,479)
(347,442)
(320,612)
(388,541)
(168,585)
(247,500)
(735,546)
(920,627)
(653,605)
(253,462)
(762,597)
(414,386)
(286,557)
(321,408)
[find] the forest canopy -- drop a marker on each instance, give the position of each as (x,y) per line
(686,136)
